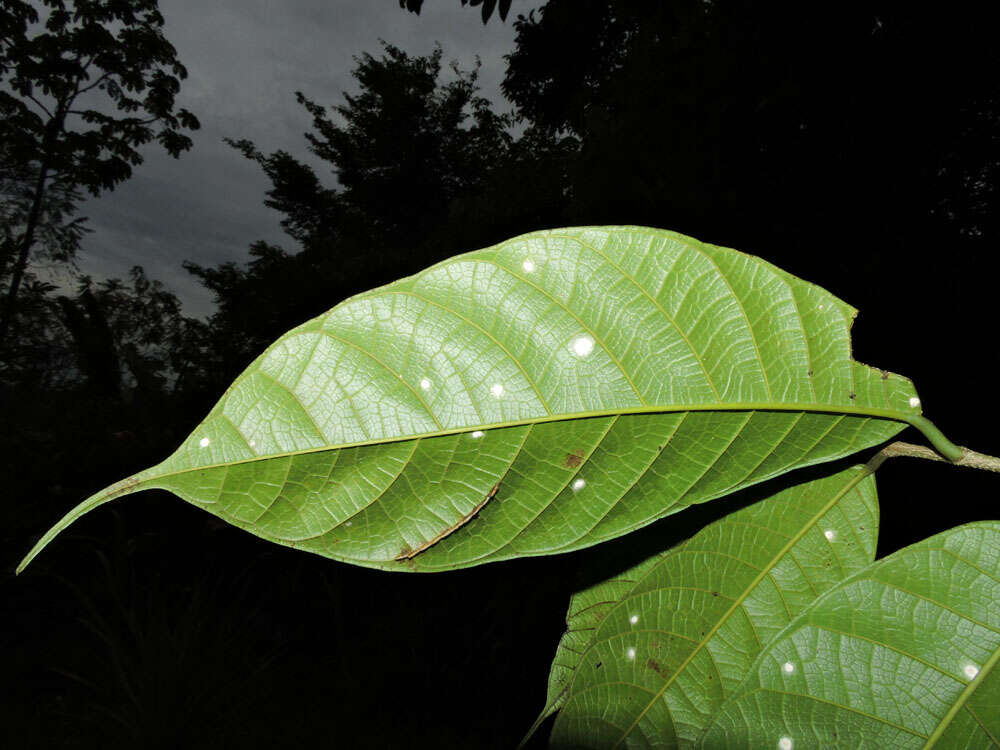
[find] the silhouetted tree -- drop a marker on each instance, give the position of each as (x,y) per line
(57,231)
(41,357)
(408,145)
(754,123)
(95,347)
(63,70)
(408,152)
(132,335)
(115,337)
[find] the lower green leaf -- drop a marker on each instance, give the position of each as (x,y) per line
(901,655)
(586,610)
(650,654)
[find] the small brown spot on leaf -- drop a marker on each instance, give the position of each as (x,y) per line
(810,373)
(853,396)
(885,376)
(572,460)
(715,593)
(655,666)
(599,665)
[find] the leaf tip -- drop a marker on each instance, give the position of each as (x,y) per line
(550,708)
(124,487)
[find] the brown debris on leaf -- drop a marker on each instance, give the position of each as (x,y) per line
(408,554)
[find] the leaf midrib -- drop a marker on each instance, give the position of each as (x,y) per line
(962,699)
(888,414)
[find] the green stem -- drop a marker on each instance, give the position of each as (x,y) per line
(941,444)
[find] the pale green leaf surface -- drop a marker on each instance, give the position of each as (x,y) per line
(665,651)
(604,376)
(586,610)
(902,655)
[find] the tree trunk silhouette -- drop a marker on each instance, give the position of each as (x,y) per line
(52,130)
(21,263)
(97,354)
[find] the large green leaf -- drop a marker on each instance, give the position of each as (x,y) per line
(646,664)
(603,377)
(901,655)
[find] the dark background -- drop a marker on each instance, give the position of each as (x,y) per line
(855,145)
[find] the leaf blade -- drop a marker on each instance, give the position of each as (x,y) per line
(930,677)
(561,327)
(685,632)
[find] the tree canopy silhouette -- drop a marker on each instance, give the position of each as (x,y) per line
(86,83)
(748,121)
(423,167)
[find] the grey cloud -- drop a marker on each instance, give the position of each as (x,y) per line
(245,60)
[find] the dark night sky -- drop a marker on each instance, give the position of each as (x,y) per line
(245,60)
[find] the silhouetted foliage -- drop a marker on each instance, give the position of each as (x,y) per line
(57,231)
(41,356)
(750,122)
(136,333)
(425,168)
(61,69)
(255,300)
(113,338)
(488,6)
(409,144)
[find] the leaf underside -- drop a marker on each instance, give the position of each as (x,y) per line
(649,655)
(901,655)
(603,376)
